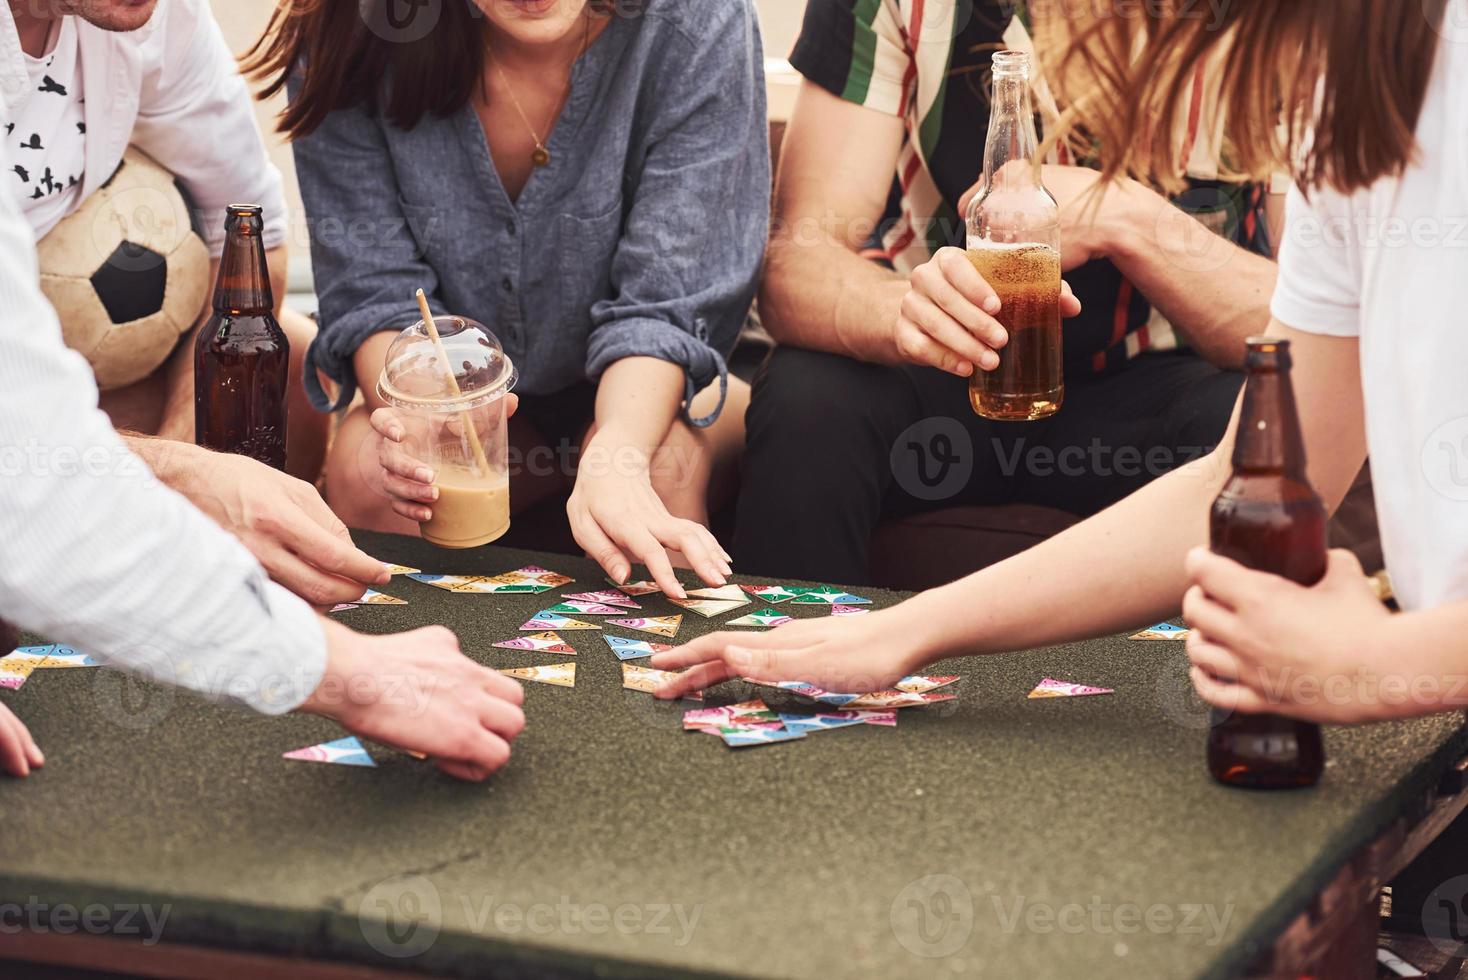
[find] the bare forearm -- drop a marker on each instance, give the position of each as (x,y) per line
(823,296)
(1214,292)
(637,401)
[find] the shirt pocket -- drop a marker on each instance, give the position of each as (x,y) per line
(426,236)
(588,248)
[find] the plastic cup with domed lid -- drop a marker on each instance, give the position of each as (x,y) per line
(451,402)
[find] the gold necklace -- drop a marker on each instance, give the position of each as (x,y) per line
(541,155)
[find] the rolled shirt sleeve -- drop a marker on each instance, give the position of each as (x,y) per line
(196,118)
(857,51)
(687,265)
(97,554)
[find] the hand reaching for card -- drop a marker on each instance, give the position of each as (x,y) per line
(407,480)
(419,693)
(18,751)
(853,655)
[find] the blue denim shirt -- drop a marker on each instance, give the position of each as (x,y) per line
(643,236)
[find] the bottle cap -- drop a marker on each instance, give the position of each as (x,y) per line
(413,375)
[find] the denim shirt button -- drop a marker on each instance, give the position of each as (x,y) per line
(508,285)
(512,228)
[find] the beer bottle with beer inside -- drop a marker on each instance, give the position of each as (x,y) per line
(1014,242)
(1270,519)
(241,356)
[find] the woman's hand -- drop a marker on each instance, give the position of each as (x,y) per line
(617,516)
(18,751)
(407,480)
(1261,643)
(849,655)
(947,319)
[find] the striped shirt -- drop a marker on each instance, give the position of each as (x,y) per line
(927,61)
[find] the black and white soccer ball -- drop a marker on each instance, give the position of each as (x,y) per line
(127,272)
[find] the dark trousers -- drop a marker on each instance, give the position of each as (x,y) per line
(836,446)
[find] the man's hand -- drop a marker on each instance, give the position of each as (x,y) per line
(418,692)
(947,319)
(1261,643)
(283,521)
(18,751)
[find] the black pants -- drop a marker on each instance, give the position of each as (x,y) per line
(836,446)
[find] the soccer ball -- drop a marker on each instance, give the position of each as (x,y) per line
(127,272)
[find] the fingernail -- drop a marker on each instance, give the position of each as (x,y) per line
(424,475)
(992,305)
(433,493)
(680,592)
(965,369)
(991,361)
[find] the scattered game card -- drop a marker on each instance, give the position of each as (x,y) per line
(773,594)
(606,597)
(1162,631)
(343,606)
(546,620)
(635,677)
(548,642)
(401,569)
(342,752)
(765,617)
(374,598)
(530,580)
(585,609)
(626,649)
(561,675)
(922,685)
(1051,688)
(17,666)
(713,602)
(745,714)
(826,595)
(739,738)
(61,657)
(636,589)
(885,700)
(835,719)
(843,610)
(657,625)
(795,687)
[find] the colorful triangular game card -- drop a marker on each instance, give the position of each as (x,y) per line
(374,598)
(561,675)
(1162,631)
(1051,688)
(342,752)
(764,617)
(548,642)
(739,738)
(708,607)
(636,677)
(843,610)
(747,714)
(585,609)
(61,657)
(606,597)
(546,620)
(826,595)
(921,685)
(836,719)
(19,665)
(401,569)
(656,625)
(626,649)
(636,589)
(773,594)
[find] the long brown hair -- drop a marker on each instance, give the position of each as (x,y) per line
(352,48)
(1331,89)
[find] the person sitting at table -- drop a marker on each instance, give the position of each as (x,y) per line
(879,331)
(588,179)
(1378,351)
(104,558)
(80,83)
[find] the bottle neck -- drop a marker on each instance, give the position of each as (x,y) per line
(1269,439)
(244,277)
(1012,137)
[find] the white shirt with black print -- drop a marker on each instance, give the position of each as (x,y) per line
(46,134)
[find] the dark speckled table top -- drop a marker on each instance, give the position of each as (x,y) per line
(991,836)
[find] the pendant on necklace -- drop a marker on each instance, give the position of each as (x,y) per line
(541,156)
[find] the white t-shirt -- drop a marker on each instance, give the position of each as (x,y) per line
(47,133)
(1388,265)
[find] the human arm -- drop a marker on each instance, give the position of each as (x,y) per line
(1122,567)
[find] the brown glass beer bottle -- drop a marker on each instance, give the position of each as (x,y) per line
(1268,518)
(242,357)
